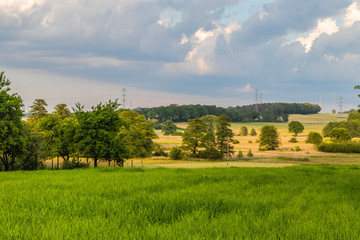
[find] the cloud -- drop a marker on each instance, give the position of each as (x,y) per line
(352,15)
(327,26)
(289,49)
(245,89)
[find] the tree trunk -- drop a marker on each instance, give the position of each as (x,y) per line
(95,162)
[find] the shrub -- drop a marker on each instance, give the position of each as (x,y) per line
(250,154)
(250,141)
(210,153)
(240,154)
(176,153)
(159,151)
(296,149)
(293,140)
(253,132)
(340,147)
(236,141)
(314,138)
(73,164)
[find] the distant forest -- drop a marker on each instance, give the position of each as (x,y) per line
(265,112)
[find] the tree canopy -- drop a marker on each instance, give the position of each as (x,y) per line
(295,127)
(269,138)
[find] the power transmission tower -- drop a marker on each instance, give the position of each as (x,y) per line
(256,96)
(261,98)
(124,97)
(341,103)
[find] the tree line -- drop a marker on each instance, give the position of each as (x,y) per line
(105,133)
(265,112)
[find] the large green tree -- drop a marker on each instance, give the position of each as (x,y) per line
(138,134)
(12,131)
(98,133)
(224,135)
(269,138)
(295,127)
(193,135)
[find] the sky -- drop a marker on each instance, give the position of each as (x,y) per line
(182,51)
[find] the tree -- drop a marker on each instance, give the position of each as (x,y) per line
(295,127)
(340,134)
(59,134)
(224,135)
(253,132)
(314,138)
(98,133)
(269,138)
(244,131)
(210,122)
(37,111)
(62,111)
(193,135)
(138,134)
(12,131)
(168,127)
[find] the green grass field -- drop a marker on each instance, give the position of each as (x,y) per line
(306,202)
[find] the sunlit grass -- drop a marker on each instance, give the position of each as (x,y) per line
(310,202)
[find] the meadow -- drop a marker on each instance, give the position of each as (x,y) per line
(303,202)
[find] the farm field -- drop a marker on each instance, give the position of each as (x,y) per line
(312,122)
(285,157)
(306,202)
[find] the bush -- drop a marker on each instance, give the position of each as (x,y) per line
(296,149)
(211,153)
(159,151)
(340,147)
(293,140)
(73,164)
(250,154)
(236,141)
(240,154)
(176,153)
(253,132)
(250,141)
(314,138)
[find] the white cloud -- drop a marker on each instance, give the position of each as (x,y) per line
(327,26)
(14,7)
(245,89)
(352,15)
